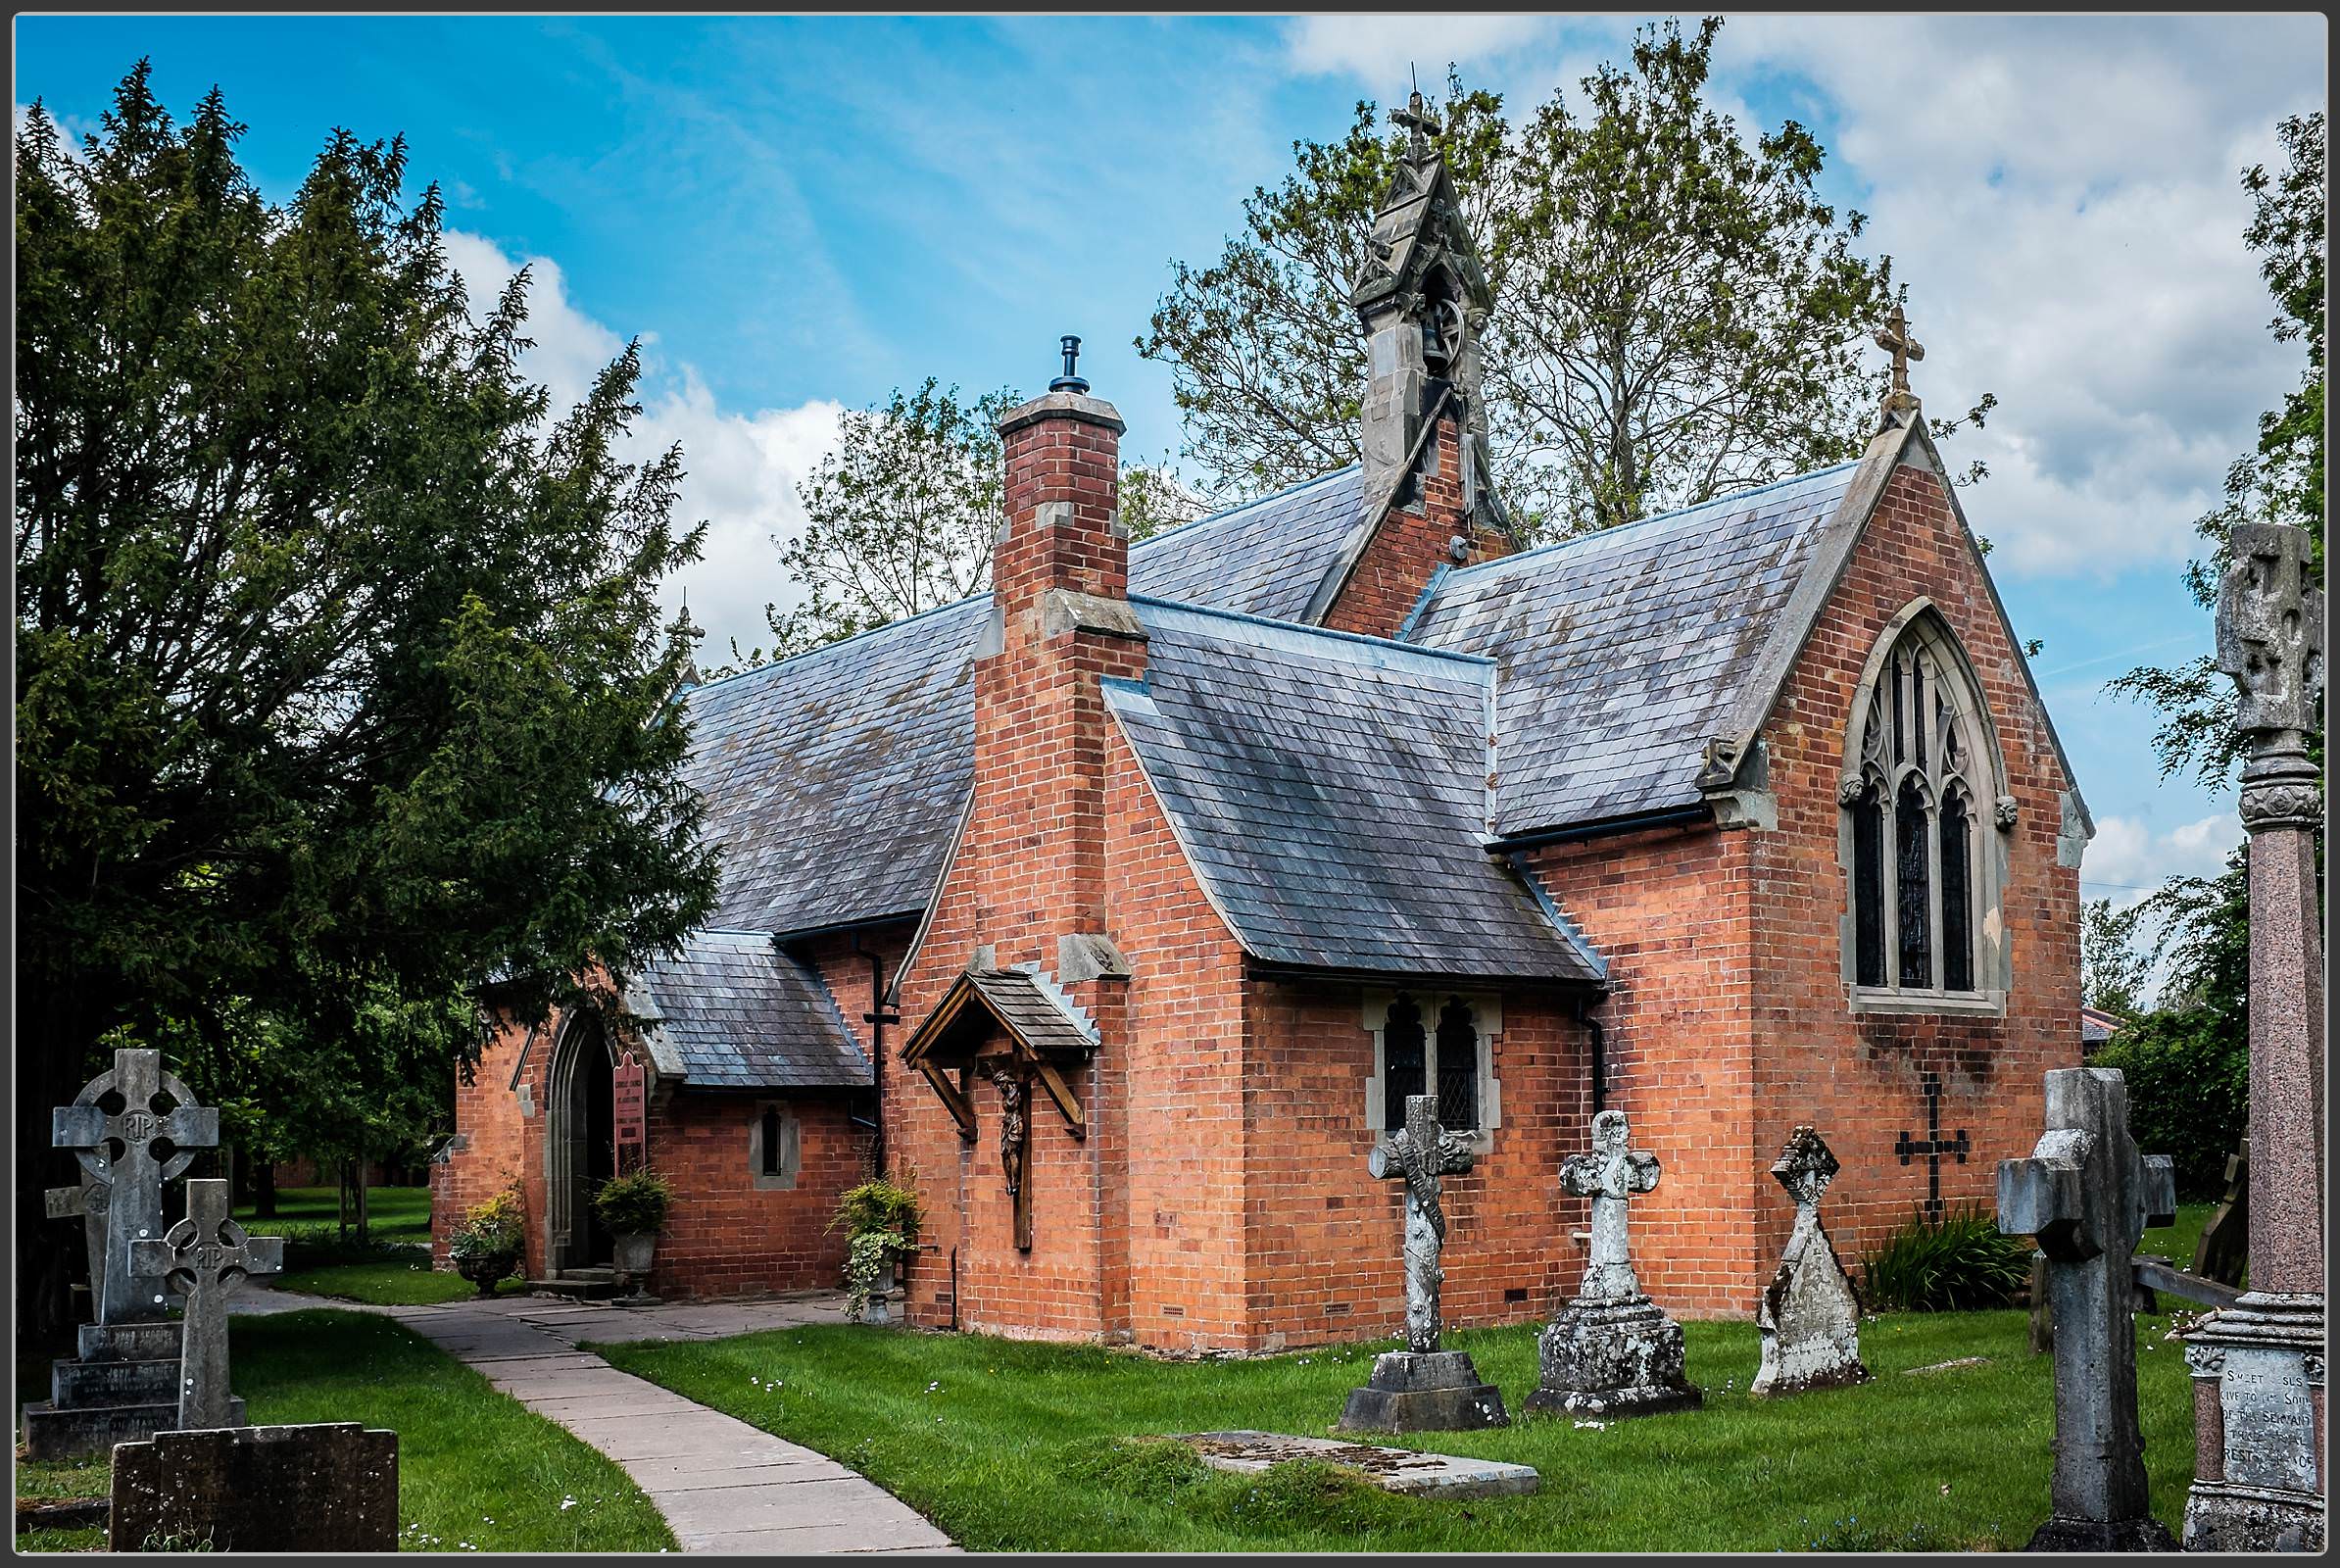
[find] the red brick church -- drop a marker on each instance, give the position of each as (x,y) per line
(1123,905)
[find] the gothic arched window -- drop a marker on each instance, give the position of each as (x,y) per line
(1434,1044)
(1921,882)
(1458,1068)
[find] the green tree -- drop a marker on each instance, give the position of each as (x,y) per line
(901,516)
(2115,970)
(340,678)
(1677,314)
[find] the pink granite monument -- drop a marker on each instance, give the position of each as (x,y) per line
(2257,1365)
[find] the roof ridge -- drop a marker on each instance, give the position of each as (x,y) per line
(1247,506)
(1678,512)
(842,642)
(1330,633)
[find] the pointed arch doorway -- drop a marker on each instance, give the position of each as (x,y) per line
(580,1145)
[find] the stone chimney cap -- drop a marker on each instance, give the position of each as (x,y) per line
(1062,405)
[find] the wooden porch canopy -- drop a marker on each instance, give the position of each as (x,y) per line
(1013,1013)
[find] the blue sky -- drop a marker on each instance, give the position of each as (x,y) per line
(799,214)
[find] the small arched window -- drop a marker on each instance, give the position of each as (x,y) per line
(1406,1059)
(771,1141)
(1921,885)
(1458,1068)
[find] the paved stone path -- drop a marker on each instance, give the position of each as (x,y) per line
(723,1485)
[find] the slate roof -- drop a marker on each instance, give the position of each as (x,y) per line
(1623,652)
(741,1014)
(1265,559)
(835,780)
(1330,792)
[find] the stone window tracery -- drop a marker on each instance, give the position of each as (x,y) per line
(1922,881)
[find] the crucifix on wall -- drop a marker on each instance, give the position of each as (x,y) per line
(1932,1147)
(1016,1143)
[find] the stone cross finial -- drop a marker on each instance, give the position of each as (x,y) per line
(1419,1153)
(1611,1175)
(1423,124)
(156,1145)
(2086,1196)
(1894,338)
(203,1255)
(1805,1167)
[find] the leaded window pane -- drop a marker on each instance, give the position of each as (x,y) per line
(1869,887)
(1458,1068)
(1913,915)
(1958,921)
(1403,1060)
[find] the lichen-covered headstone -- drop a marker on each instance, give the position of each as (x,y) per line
(1612,1351)
(1809,1315)
(331,1487)
(2086,1196)
(1422,1388)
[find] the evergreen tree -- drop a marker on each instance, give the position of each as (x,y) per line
(340,679)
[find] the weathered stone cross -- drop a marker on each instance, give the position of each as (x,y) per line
(1894,338)
(1612,1176)
(86,1202)
(1416,119)
(203,1255)
(1419,1153)
(154,1148)
(1933,1147)
(2086,1197)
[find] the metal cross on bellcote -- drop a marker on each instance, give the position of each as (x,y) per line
(1933,1147)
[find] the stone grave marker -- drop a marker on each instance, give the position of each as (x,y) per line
(1809,1315)
(2086,1196)
(85,1200)
(204,1256)
(127,1107)
(1422,1388)
(2259,1391)
(331,1487)
(1612,1351)
(125,1382)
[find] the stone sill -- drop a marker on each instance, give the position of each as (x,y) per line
(1966,1004)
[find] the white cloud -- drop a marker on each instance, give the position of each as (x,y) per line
(2129,860)
(742,468)
(1381,49)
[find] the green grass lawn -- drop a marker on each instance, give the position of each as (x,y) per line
(387,1282)
(392,1213)
(477,1470)
(1014,1446)
(2176,1242)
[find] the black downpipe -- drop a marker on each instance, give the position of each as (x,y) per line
(1601,1051)
(877,1017)
(955,1288)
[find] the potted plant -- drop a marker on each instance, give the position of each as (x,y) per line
(633,1208)
(488,1244)
(880,1220)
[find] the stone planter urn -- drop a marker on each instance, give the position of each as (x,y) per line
(631,1256)
(486,1270)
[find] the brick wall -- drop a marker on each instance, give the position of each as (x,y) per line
(1671,910)
(1856,1076)
(727,1233)
(1323,1235)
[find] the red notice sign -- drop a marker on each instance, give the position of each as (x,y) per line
(632,1100)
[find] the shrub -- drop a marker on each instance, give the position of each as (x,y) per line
(879,1206)
(496,1228)
(880,1219)
(635,1203)
(1961,1264)
(2189,1091)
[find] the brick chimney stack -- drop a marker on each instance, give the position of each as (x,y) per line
(1061,618)
(1063,491)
